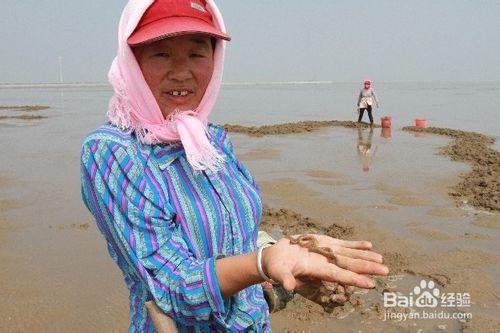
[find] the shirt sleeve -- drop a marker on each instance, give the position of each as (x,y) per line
(137,222)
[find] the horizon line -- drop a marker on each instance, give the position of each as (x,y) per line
(229,83)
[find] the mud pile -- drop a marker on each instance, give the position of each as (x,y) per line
(289,128)
(480,187)
(289,222)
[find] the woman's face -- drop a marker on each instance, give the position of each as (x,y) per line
(177,70)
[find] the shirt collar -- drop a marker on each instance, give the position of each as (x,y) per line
(166,154)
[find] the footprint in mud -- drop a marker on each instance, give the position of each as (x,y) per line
(409,200)
(76,226)
(8,204)
(327,178)
(260,154)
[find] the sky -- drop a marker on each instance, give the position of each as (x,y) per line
(275,40)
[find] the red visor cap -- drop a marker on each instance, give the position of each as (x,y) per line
(167,18)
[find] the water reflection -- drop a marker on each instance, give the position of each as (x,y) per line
(366,149)
(386,132)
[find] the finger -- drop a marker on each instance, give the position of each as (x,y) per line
(288,282)
(333,273)
(360,245)
(360,254)
(335,242)
(361,266)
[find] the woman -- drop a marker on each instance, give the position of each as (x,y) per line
(180,213)
(366,99)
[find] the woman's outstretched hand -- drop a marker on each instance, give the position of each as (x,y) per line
(292,265)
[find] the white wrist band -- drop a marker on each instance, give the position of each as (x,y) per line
(259,265)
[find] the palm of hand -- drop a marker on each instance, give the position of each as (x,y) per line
(294,266)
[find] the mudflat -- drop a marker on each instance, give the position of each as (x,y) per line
(57,276)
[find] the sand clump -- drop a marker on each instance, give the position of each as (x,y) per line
(26,108)
(22,112)
(296,127)
(24,117)
(480,187)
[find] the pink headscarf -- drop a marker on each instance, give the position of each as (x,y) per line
(134,108)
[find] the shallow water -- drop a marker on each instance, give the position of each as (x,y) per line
(54,262)
(403,190)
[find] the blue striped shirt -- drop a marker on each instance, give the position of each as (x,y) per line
(165,225)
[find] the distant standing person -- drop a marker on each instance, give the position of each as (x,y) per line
(365,101)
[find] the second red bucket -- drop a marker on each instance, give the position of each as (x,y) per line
(420,123)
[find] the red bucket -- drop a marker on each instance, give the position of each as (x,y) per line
(386,122)
(420,123)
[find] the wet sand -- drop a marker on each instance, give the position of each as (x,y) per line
(58,277)
(450,271)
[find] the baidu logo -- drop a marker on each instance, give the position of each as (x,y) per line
(430,302)
(425,295)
